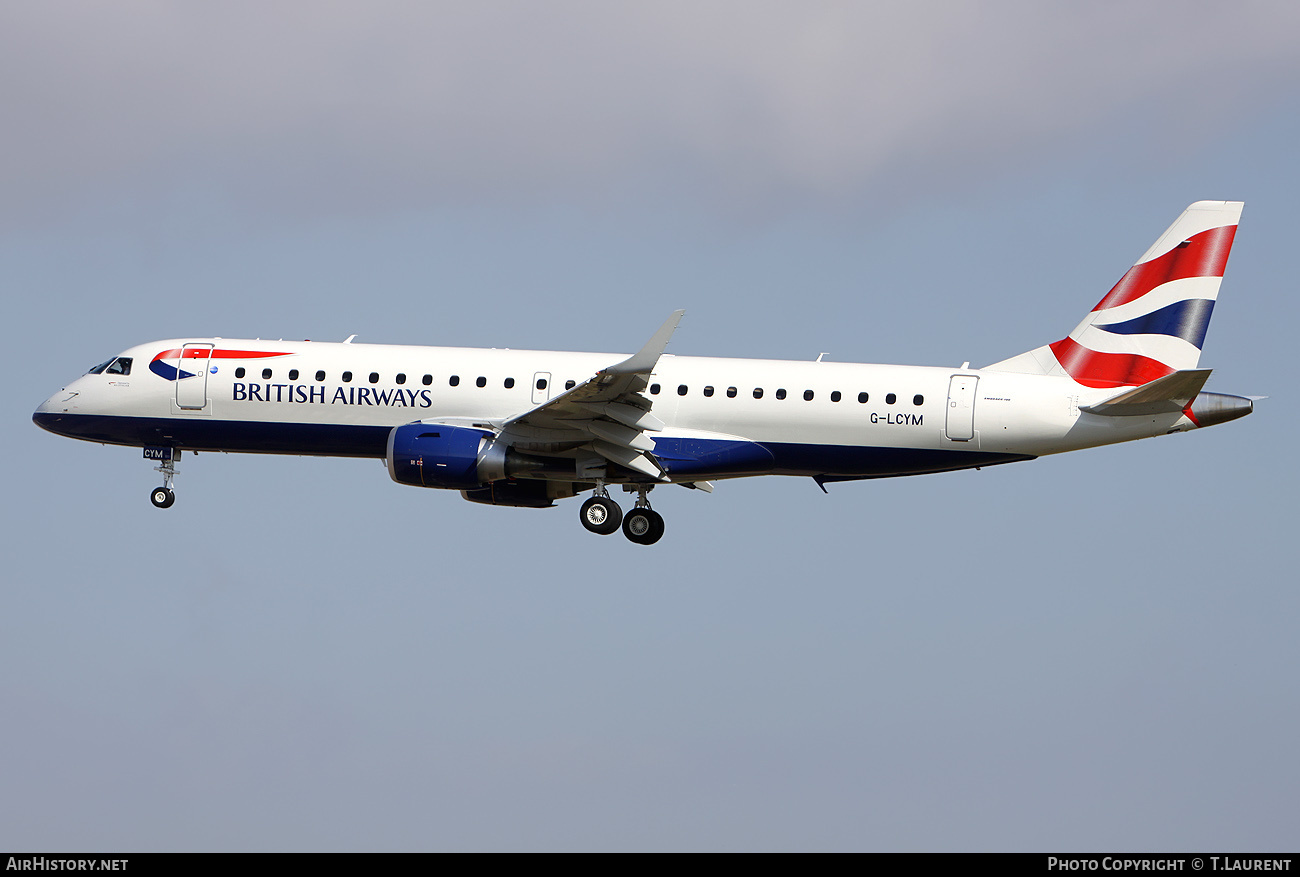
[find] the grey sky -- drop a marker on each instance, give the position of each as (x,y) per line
(1089,652)
(303,107)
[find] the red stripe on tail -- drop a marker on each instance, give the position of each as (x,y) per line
(1093,369)
(1204,255)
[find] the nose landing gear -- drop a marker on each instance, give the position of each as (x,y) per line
(163,497)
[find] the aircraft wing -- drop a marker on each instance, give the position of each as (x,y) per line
(606,413)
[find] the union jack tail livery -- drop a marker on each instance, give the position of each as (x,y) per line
(1153,322)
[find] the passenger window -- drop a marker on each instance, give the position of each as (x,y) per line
(347,377)
(863,397)
(654,389)
(681,389)
(120,366)
(239,372)
(708,391)
(374,377)
(427,380)
(401,378)
(266,374)
(541,383)
(758,392)
(731,392)
(780,394)
(293,374)
(454,380)
(570,384)
(918,400)
(320,375)
(835,396)
(480,381)
(510,383)
(890,399)
(807,395)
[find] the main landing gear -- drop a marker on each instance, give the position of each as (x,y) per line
(643,525)
(163,497)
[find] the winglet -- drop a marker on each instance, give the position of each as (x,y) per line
(643,363)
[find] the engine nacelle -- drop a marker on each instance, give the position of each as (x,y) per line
(436,455)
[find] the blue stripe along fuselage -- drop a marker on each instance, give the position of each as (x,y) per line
(697,457)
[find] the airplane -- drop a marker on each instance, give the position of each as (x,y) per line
(527,427)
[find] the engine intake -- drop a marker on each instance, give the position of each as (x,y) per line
(435,455)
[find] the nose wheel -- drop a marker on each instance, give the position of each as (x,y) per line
(163,497)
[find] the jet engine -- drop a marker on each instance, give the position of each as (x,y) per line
(437,455)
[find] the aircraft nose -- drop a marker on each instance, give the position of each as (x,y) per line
(51,413)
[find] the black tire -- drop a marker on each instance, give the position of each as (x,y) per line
(643,526)
(162,497)
(658,532)
(600,514)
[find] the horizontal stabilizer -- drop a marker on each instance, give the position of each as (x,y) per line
(1167,395)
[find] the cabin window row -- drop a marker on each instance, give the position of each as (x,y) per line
(781,393)
(399,378)
(655,389)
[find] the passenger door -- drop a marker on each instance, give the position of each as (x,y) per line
(192,391)
(960,425)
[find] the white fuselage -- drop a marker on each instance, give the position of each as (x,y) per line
(819,418)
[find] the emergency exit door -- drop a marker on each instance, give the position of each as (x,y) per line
(541,387)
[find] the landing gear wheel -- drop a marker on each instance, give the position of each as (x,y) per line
(162,497)
(643,526)
(600,514)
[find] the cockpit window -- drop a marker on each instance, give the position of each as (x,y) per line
(120,366)
(99,369)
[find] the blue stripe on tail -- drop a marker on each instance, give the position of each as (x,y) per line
(1188,320)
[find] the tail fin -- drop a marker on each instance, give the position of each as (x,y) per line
(1153,322)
